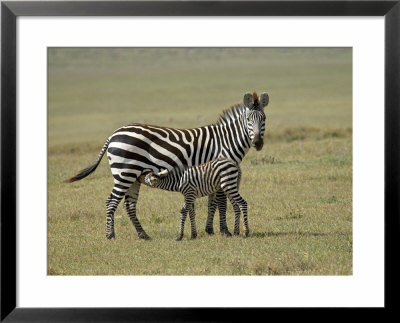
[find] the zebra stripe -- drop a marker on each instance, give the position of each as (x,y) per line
(206,179)
(136,148)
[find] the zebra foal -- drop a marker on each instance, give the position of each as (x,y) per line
(221,174)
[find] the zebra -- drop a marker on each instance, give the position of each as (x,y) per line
(132,149)
(202,180)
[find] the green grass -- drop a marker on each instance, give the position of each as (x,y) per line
(298,188)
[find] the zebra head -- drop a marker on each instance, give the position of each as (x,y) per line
(255,117)
(153,179)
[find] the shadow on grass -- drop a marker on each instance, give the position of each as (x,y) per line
(293,233)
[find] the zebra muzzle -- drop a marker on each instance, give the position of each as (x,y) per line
(257,142)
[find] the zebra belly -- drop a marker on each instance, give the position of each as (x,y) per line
(206,190)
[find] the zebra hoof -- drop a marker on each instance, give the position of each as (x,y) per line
(246,234)
(194,236)
(236,233)
(144,236)
(225,232)
(179,238)
(210,231)
(110,236)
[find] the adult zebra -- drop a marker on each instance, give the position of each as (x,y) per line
(138,147)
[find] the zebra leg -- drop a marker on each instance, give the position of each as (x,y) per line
(117,194)
(221,203)
(235,197)
(212,206)
(111,205)
(192,216)
(243,208)
(236,209)
(131,199)
(184,213)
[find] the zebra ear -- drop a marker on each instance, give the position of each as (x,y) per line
(264,100)
(248,100)
(163,173)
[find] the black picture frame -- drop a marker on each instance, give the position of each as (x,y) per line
(11,10)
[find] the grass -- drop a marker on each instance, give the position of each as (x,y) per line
(298,188)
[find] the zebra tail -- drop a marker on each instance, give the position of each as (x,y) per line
(90,169)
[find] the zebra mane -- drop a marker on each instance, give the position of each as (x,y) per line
(231,113)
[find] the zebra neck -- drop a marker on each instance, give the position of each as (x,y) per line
(169,183)
(234,139)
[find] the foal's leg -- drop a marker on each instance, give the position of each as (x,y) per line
(236,209)
(188,207)
(221,203)
(192,216)
(237,199)
(131,199)
(184,213)
(212,206)
(243,208)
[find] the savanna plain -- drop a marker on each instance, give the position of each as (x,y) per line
(298,187)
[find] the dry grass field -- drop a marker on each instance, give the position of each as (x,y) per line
(298,188)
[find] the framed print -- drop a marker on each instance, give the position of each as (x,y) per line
(163,93)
